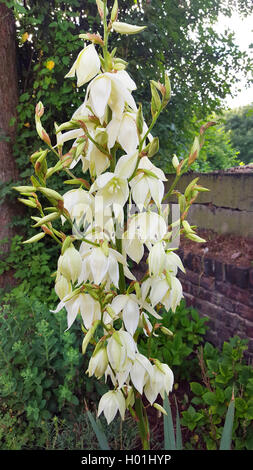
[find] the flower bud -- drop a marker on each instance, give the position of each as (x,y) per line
(24,189)
(167,88)
(139,119)
(160,408)
(166,331)
(115,10)
(195,238)
(175,161)
(36,238)
(70,264)
(125,28)
(51,194)
(89,336)
(28,202)
(39,109)
(155,100)
(48,218)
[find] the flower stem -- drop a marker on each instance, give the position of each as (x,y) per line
(143,423)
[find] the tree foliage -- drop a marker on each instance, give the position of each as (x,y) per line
(240,125)
(180,37)
(217,153)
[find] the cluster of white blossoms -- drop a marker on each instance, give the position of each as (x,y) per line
(108,121)
(111,143)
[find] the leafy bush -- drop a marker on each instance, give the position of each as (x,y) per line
(224,374)
(32,266)
(42,368)
(188,330)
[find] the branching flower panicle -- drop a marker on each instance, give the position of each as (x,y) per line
(112,144)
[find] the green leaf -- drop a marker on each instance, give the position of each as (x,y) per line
(226,437)
(98,430)
(179,442)
(169,436)
(210,398)
(196,388)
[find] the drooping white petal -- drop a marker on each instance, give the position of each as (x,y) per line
(156,259)
(156,188)
(89,309)
(140,372)
(86,66)
(127,81)
(131,315)
(173,262)
(126,165)
(72,307)
(158,290)
(98,264)
(146,164)
(133,248)
(118,303)
(100,91)
(112,130)
(128,136)
(140,191)
(126,28)
(113,269)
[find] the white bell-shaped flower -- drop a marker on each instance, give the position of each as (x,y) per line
(110,403)
(80,206)
(82,303)
(156,259)
(121,350)
(166,291)
(98,363)
(86,66)
(148,185)
(112,188)
(70,264)
(110,89)
(141,371)
(160,382)
(129,306)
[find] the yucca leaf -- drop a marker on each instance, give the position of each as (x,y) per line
(98,430)
(226,437)
(169,435)
(179,442)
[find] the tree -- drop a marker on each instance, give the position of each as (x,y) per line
(240,125)
(217,152)
(8,114)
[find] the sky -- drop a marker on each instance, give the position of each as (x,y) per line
(243,29)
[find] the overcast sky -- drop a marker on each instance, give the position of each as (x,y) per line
(243,29)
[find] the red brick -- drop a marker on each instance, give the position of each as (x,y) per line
(237,275)
(244,311)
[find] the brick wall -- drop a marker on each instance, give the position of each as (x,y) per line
(223,292)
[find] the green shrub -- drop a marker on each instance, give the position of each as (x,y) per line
(42,370)
(178,351)
(224,374)
(32,267)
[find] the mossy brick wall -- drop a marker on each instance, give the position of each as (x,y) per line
(219,290)
(228,205)
(222,292)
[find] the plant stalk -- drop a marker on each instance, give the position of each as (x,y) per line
(143,423)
